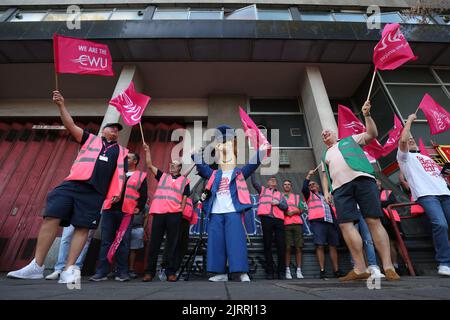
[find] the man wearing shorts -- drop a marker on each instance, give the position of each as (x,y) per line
(350,177)
(293,225)
(97,174)
(322,218)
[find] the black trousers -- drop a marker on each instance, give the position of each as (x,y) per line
(271,227)
(182,246)
(164,223)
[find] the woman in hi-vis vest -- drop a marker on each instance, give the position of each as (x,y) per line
(229,199)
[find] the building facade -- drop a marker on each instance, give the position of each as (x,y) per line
(288,63)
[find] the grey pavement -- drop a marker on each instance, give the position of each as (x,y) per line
(409,288)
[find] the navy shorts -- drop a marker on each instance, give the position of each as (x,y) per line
(362,191)
(75,203)
(325,233)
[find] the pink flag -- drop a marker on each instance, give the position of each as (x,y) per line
(394,136)
(393,50)
(252,131)
(130,104)
(119,236)
(74,55)
(437,116)
(349,124)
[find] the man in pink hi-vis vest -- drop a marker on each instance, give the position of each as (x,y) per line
(97,174)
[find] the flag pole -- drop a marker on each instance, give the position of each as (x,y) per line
(371,84)
(142,132)
(417,110)
(318,167)
(56,81)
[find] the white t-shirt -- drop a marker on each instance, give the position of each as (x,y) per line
(423,175)
(223,202)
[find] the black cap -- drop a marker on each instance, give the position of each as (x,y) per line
(114,124)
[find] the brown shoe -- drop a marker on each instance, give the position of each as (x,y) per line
(147,278)
(172,278)
(391,275)
(352,275)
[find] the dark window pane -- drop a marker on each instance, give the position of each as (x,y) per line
(292,129)
(422,130)
(345,102)
(274,105)
(444,75)
(408,75)
(407,98)
(382,113)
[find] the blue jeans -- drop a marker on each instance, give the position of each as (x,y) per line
(367,242)
(437,209)
(110,225)
(64,247)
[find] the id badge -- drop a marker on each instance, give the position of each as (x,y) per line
(103,158)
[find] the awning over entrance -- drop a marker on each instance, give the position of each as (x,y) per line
(160,40)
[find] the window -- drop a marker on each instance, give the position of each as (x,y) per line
(246,13)
(443,74)
(205,15)
(316,16)
(23,16)
(443,19)
(95,15)
(408,75)
(283,115)
(274,14)
(170,14)
(127,15)
(391,17)
(60,16)
(350,17)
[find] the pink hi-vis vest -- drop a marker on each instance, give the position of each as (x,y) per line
(265,203)
(189,213)
(416,209)
(315,207)
(168,195)
(293,202)
(131,195)
(384,196)
(241,186)
(84,164)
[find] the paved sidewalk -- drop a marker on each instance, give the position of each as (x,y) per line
(409,288)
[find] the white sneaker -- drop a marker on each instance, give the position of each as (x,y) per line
(30,271)
(244,277)
(376,272)
(54,275)
(299,273)
(444,271)
(288,274)
(162,275)
(71,275)
(219,277)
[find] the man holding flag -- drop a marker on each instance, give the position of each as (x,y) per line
(97,174)
(429,189)
(116,222)
(348,174)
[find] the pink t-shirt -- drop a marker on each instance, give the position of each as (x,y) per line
(340,172)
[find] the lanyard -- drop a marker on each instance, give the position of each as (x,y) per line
(106,148)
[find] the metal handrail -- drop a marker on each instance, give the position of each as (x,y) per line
(401,243)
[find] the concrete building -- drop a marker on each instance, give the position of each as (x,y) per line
(288,63)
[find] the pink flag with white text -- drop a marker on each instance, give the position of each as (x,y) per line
(437,116)
(131,104)
(393,50)
(394,137)
(349,124)
(72,55)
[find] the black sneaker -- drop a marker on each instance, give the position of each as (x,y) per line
(323,274)
(132,275)
(98,277)
(122,278)
(339,273)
